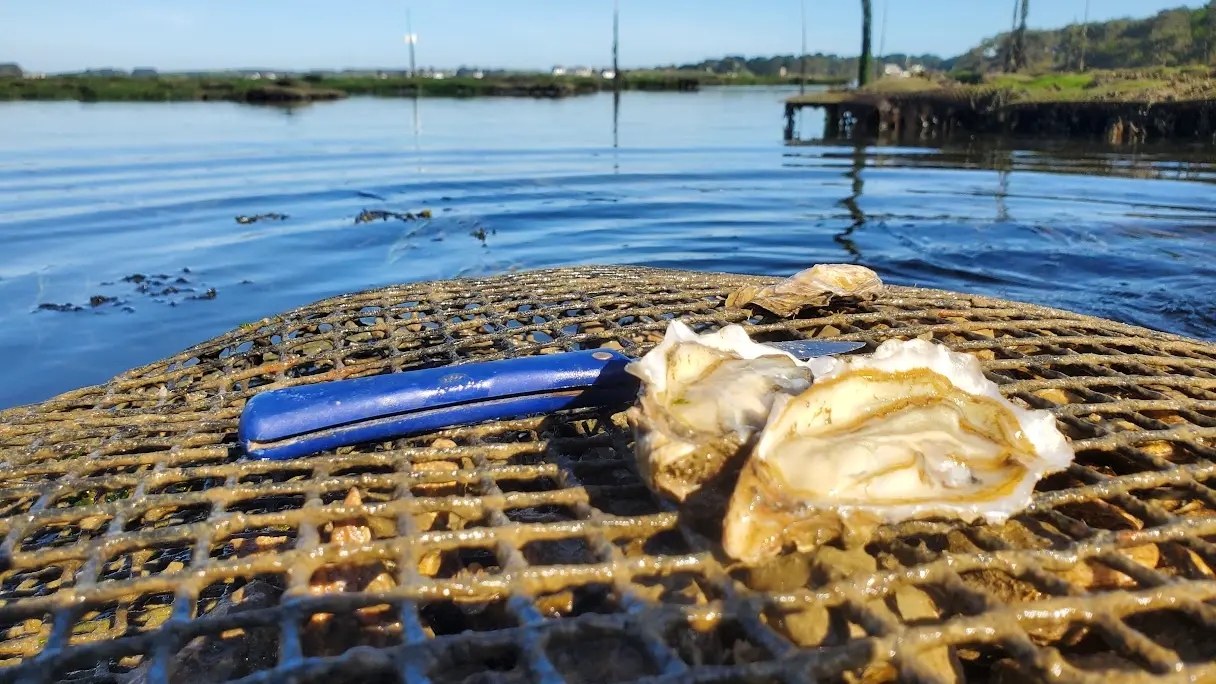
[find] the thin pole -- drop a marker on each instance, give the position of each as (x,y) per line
(1021,43)
(802,56)
(863,65)
(616,40)
(409,30)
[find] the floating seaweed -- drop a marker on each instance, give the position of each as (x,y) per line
(160,287)
(59,307)
(369,215)
(272,216)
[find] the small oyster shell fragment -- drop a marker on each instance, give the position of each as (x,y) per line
(913,431)
(815,286)
(703,399)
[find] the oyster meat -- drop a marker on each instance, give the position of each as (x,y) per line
(913,431)
(703,399)
(815,286)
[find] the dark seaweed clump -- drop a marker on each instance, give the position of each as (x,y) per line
(369,215)
(162,288)
(272,216)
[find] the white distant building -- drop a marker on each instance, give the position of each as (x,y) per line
(608,73)
(897,71)
(584,72)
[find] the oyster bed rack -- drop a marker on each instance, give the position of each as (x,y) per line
(140,546)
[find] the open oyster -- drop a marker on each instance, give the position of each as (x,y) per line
(913,431)
(815,286)
(704,397)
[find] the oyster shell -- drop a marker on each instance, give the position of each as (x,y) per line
(815,286)
(703,399)
(913,431)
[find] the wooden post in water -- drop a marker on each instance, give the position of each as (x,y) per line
(1019,44)
(802,55)
(616,43)
(790,112)
(863,66)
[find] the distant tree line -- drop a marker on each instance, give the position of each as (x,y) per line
(818,65)
(1173,37)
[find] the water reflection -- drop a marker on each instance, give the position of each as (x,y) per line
(851,203)
(1160,161)
(1002,189)
(616,118)
(1127,234)
(287,110)
(417,128)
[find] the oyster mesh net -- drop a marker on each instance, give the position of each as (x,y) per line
(139,545)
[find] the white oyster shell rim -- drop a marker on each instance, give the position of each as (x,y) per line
(1053,452)
(731,338)
(964,372)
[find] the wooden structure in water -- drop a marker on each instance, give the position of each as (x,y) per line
(946,112)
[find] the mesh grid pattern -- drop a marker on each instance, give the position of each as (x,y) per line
(136,540)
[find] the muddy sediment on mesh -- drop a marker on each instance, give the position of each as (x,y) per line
(220,658)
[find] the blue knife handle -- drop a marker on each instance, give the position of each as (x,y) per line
(296,421)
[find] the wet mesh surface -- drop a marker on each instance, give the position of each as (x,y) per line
(137,543)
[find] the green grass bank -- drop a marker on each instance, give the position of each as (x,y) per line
(311,88)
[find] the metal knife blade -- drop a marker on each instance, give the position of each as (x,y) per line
(809,349)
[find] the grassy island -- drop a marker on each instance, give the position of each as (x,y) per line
(1131,105)
(308,88)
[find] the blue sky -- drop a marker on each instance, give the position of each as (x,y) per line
(60,35)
